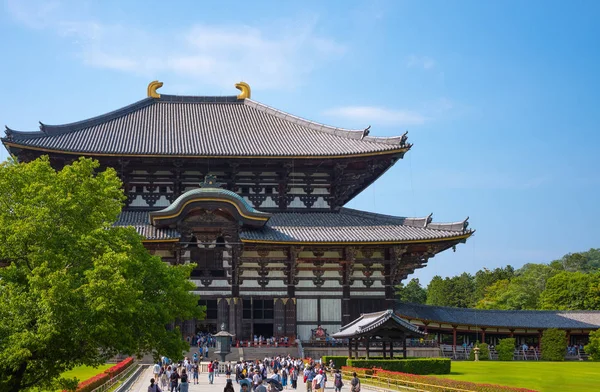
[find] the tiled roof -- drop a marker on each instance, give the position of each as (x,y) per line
(140,220)
(346,225)
(349,225)
(203,126)
(533,319)
(370,322)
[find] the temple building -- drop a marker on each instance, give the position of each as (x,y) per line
(255,198)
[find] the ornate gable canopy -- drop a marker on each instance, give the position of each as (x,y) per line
(384,323)
(212,198)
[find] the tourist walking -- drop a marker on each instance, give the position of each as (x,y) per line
(309,376)
(229,386)
(355,383)
(174,380)
(156,371)
(244,382)
(195,373)
(337,381)
(211,372)
(153,387)
(184,386)
(294,377)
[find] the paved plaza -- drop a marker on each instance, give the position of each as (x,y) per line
(141,384)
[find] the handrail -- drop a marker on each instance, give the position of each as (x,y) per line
(402,385)
(126,386)
(113,380)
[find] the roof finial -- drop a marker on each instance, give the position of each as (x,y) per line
(210,181)
(244,88)
(365,132)
(152,87)
(403,139)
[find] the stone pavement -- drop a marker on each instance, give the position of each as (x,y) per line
(142,383)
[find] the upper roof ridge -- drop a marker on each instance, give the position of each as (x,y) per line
(358,134)
(90,122)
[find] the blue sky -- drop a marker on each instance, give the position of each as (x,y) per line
(501,99)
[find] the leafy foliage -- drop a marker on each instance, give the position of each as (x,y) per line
(75,290)
(554,345)
(412,292)
(572,291)
(593,346)
(412,365)
(523,291)
(456,291)
(506,349)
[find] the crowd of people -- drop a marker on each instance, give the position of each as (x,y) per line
(267,375)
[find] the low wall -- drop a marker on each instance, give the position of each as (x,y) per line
(418,352)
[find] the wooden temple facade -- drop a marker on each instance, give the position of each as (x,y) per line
(254,197)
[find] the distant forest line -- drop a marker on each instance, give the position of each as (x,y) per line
(571,283)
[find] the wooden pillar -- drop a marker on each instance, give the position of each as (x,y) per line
(367,340)
(512,333)
(356,347)
(540,331)
(391,349)
(383,345)
(568,336)
(404,347)
(347,268)
(350,348)
(425,328)
(482,335)
(454,336)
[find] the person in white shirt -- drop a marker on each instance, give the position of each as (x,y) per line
(156,371)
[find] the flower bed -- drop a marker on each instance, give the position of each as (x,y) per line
(429,383)
(99,379)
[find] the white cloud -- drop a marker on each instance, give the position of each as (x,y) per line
(416,61)
(278,55)
(377,115)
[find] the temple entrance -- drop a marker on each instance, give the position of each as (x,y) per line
(264,330)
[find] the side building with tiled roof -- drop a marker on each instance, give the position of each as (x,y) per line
(460,326)
(255,198)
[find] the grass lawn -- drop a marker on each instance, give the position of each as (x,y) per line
(541,376)
(85,372)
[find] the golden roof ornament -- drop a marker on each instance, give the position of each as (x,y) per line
(244,88)
(152,87)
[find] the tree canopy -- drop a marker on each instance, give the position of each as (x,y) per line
(75,290)
(412,292)
(570,283)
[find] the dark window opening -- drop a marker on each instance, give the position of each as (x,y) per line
(269,191)
(211,307)
(247,309)
(138,188)
(245,189)
(207,260)
(220,242)
(163,189)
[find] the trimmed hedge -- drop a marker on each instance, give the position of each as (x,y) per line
(338,361)
(506,349)
(428,383)
(413,366)
(554,345)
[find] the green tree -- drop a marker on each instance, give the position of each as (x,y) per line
(523,291)
(554,345)
(566,291)
(74,290)
(593,346)
(484,278)
(456,291)
(412,292)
